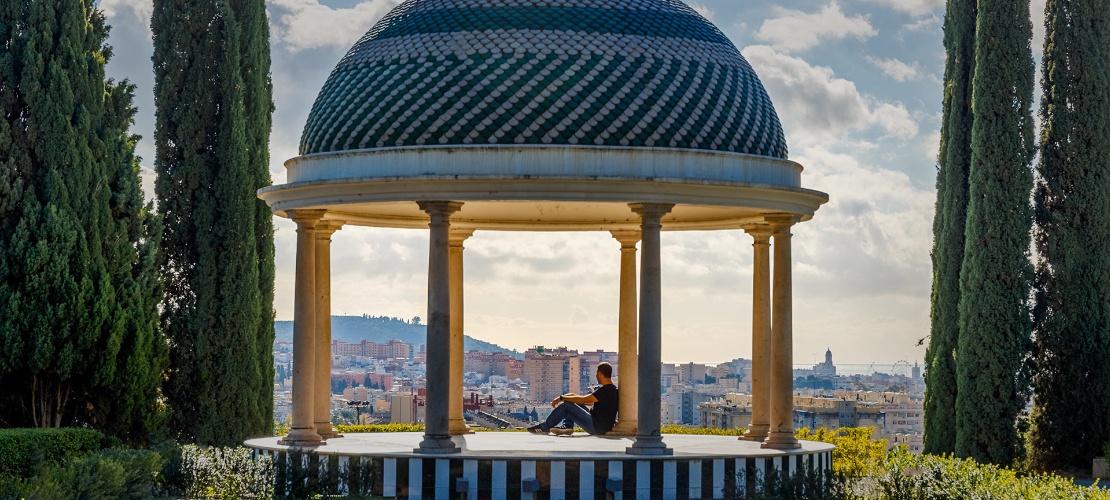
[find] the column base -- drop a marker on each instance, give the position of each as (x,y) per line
(649,445)
(781,441)
(304,437)
(326,431)
(626,428)
(756,432)
(437,445)
(458,427)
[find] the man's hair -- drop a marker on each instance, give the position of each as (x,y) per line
(606,369)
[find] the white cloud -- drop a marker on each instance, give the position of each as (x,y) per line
(913,7)
(924,24)
(794,30)
(814,104)
(307,24)
(895,120)
(896,69)
(137,12)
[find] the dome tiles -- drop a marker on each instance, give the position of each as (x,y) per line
(549,115)
(618,73)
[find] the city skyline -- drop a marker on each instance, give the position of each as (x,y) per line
(859,97)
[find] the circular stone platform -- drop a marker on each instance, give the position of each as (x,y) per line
(509,464)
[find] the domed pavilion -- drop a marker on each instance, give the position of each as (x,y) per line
(627,116)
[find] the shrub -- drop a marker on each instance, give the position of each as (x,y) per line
(804,485)
(856,454)
(905,476)
(701,431)
(115,473)
(380,428)
(227,473)
(23,450)
(300,474)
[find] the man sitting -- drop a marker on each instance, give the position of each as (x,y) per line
(569,410)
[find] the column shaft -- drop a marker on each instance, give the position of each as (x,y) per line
(627,358)
(456,423)
(437,438)
(761,335)
(302,432)
(322,391)
(781,435)
(648,440)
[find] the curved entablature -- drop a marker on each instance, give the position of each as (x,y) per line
(703,167)
(531,203)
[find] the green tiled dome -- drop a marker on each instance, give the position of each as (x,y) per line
(623,73)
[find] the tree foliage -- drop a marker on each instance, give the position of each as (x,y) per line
(993,346)
(1072,237)
(953,163)
(79,337)
(213,98)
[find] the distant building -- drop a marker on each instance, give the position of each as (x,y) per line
(826,369)
(491,364)
(896,417)
(394,349)
(552,372)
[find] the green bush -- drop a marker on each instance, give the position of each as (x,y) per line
(905,476)
(226,473)
(343,429)
(856,454)
(115,473)
(1106,452)
(24,450)
(701,431)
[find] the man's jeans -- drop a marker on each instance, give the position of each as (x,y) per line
(570,415)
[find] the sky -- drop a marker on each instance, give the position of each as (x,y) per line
(857,86)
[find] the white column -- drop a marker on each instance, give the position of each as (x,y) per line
(322,396)
(648,440)
(761,333)
(303,431)
(628,370)
(456,423)
(437,436)
(781,435)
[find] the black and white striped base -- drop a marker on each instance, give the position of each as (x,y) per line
(553,475)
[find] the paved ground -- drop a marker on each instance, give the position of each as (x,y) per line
(521,445)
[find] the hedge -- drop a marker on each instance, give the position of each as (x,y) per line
(22,450)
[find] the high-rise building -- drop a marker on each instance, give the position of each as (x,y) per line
(552,372)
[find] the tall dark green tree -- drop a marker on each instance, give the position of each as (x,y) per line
(80,342)
(994,343)
(1071,419)
(949,220)
(213,98)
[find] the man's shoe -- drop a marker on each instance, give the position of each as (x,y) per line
(536,429)
(562,431)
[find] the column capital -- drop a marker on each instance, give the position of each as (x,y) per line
(305,216)
(780,223)
(440,208)
(627,237)
(458,235)
(326,227)
(761,231)
(651,210)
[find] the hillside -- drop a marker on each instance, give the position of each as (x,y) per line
(381,329)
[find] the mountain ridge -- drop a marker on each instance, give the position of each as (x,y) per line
(382,329)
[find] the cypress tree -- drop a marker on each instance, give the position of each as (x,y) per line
(79,341)
(953,163)
(213,114)
(993,346)
(1072,237)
